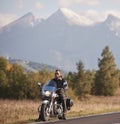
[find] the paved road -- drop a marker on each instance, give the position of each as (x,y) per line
(111,118)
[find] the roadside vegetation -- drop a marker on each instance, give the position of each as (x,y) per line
(93,91)
(22,111)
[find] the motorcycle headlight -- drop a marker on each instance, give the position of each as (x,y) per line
(47,93)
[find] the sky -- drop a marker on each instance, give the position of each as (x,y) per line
(11,10)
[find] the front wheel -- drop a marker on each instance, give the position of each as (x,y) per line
(45,112)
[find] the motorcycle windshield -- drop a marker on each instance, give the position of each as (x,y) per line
(50,86)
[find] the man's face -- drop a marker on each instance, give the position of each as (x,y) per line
(57,74)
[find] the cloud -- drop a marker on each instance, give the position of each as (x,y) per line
(67,3)
(91,2)
(96,16)
(113,12)
(20,4)
(6,19)
(39,5)
(86,2)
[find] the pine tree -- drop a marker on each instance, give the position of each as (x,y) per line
(82,85)
(107,77)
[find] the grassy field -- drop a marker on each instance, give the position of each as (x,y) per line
(12,111)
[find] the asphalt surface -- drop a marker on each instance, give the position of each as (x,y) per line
(111,118)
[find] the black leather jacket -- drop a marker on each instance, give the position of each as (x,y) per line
(61,83)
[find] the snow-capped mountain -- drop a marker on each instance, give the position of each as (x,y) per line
(70,17)
(26,21)
(114,24)
(62,39)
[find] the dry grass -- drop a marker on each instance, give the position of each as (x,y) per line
(18,111)
(95,105)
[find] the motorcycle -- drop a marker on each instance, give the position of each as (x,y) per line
(51,106)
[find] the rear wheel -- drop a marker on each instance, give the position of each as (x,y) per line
(63,117)
(60,117)
(60,111)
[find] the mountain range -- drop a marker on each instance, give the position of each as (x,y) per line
(61,40)
(30,66)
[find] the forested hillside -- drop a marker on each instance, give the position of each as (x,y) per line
(32,66)
(15,83)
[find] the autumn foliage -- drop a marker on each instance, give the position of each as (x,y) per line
(15,83)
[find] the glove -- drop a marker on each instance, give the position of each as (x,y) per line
(60,91)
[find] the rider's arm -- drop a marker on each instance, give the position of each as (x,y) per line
(65,85)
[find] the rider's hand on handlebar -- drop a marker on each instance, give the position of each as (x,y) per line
(60,90)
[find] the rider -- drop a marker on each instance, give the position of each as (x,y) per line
(62,86)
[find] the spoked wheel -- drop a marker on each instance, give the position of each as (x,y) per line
(45,112)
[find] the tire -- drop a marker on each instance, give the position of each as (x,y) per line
(60,117)
(44,112)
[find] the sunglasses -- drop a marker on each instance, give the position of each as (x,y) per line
(56,73)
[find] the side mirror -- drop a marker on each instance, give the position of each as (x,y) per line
(39,84)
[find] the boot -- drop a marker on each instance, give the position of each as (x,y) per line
(64,116)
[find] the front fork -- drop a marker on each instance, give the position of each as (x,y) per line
(51,109)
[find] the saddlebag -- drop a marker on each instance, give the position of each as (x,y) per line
(69,103)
